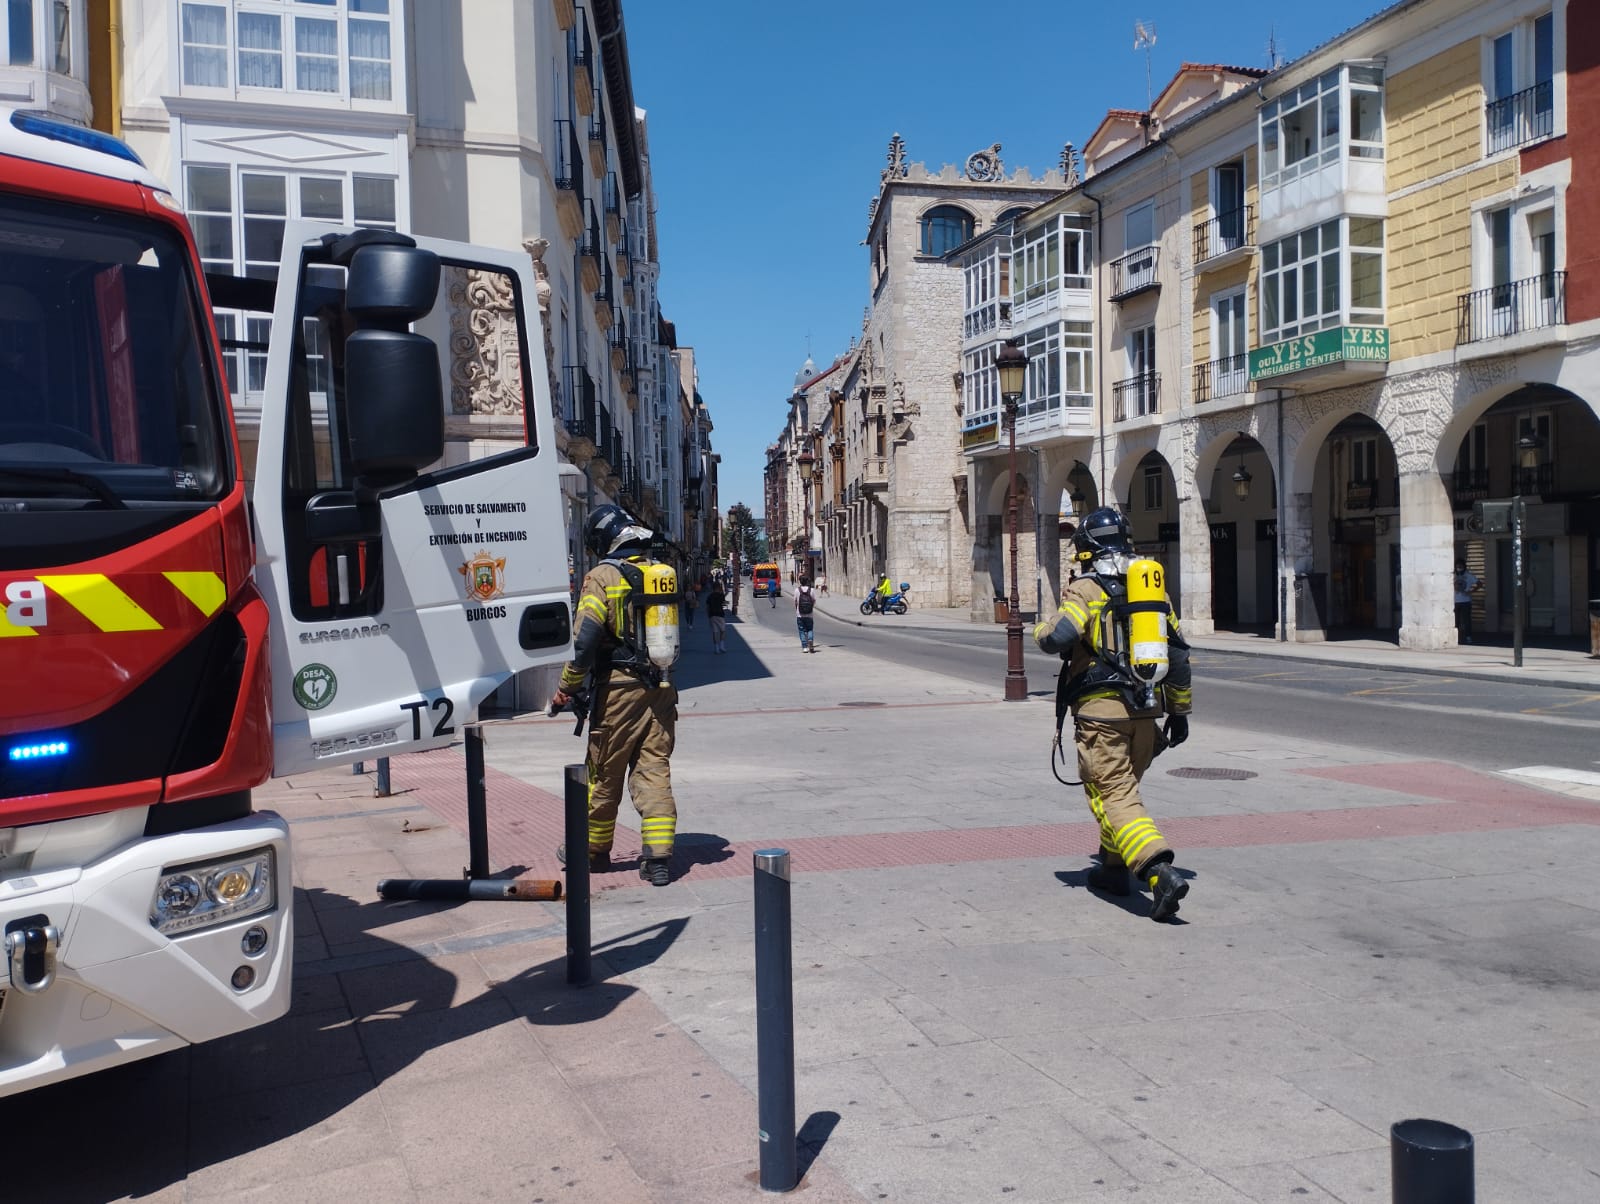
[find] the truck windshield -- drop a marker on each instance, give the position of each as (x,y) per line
(106,390)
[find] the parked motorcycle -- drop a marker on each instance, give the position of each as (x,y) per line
(895,603)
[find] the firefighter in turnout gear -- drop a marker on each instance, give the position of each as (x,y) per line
(626,640)
(1125,664)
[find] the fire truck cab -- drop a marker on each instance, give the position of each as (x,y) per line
(171,634)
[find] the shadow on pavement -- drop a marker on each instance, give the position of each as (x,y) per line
(360,1016)
(813,1135)
(699,665)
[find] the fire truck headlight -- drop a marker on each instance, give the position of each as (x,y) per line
(190,897)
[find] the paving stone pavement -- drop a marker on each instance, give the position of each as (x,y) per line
(1367,939)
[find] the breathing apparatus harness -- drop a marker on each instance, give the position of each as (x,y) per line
(649,642)
(1129,638)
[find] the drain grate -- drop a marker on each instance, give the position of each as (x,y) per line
(863,704)
(1212,775)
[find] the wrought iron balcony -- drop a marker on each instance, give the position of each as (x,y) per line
(1136,396)
(1221,378)
(580,54)
(580,413)
(1523,117)
(1234,230)
(1469,485)
(1536,481)
(1135,272)
(1507,309)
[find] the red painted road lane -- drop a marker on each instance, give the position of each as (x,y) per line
(526,824)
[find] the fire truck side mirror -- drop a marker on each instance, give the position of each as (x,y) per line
(392,381)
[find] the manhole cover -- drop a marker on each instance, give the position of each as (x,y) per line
(862,704)
(1212,775)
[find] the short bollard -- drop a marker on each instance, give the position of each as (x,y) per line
(577,828)
(383,778)
(359,768)
(1430,1162)
(477,802)
(774,1021)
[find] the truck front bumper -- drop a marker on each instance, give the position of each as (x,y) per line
(118,989)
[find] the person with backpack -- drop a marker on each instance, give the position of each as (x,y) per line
(805,601)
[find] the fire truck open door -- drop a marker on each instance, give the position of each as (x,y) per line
(408,580)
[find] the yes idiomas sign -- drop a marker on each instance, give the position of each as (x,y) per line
(1340,345)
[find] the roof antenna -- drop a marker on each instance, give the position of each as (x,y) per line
(1144,37)
(1273,59)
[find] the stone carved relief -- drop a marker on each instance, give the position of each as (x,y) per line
(1069,166)
(897,159)
(536,248)
(485,364)
(985,167)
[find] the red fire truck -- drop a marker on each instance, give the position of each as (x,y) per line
(171,634)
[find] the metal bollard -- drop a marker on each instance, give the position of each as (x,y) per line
(477,805)
(383,779)
(1430,1162)
(774,1021)
(577,827)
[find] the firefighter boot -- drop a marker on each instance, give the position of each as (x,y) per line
(655,870)
(1167,887)
(1111,879)
(599,859)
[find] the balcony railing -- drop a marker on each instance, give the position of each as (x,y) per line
(597,124)
(1226,232)
(569,157)
(1469,485)
(1221,378)
(1507,309)
(1135,272)
(1136,396)
(1538,480)
(1523,117)
(580,413)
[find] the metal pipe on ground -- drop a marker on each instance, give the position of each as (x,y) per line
(531,890)
(1430,1162)
(774,1021)
(577,831)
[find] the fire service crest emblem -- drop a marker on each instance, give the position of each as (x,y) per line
(485,575)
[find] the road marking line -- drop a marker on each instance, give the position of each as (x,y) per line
(1555,773)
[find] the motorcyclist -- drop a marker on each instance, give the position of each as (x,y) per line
(883,591)
(1116,716)
(634,715)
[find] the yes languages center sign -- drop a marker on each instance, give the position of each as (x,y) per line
(1340,345)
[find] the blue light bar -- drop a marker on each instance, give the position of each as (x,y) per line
(30,122)
(39,751)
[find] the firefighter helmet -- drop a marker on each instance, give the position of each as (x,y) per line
(611,529)
(1101,532)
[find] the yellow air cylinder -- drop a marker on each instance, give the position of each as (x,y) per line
(1147,621)
(660,617)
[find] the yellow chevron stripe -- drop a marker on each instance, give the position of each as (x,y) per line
(94,597)
(8,629)
(205,590)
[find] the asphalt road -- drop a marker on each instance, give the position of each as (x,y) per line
(1487,725)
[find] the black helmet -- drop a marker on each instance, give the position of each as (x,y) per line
(1099,532)
(611,528)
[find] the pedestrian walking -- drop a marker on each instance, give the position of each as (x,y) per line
(716,610)
(632,706)
(805,601)
(691,601)
(1466,584)
(1116,711)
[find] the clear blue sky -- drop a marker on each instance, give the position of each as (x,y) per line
(769,121)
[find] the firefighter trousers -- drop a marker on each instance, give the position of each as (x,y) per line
(631,740)
(1112,757)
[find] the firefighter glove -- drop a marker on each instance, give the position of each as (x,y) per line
(1176,730)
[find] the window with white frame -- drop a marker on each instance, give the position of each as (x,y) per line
(1518,283)
(1140,394)
(980,389)
(1077,365)
(238,217)
(1363,461)
(981,280)
(1230,367)
(1337,114)
(1519,85)
(41,33)
(1328,275)
(327,48)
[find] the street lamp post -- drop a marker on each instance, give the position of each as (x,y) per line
(806,462)
(1527,462)
(1012,364)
